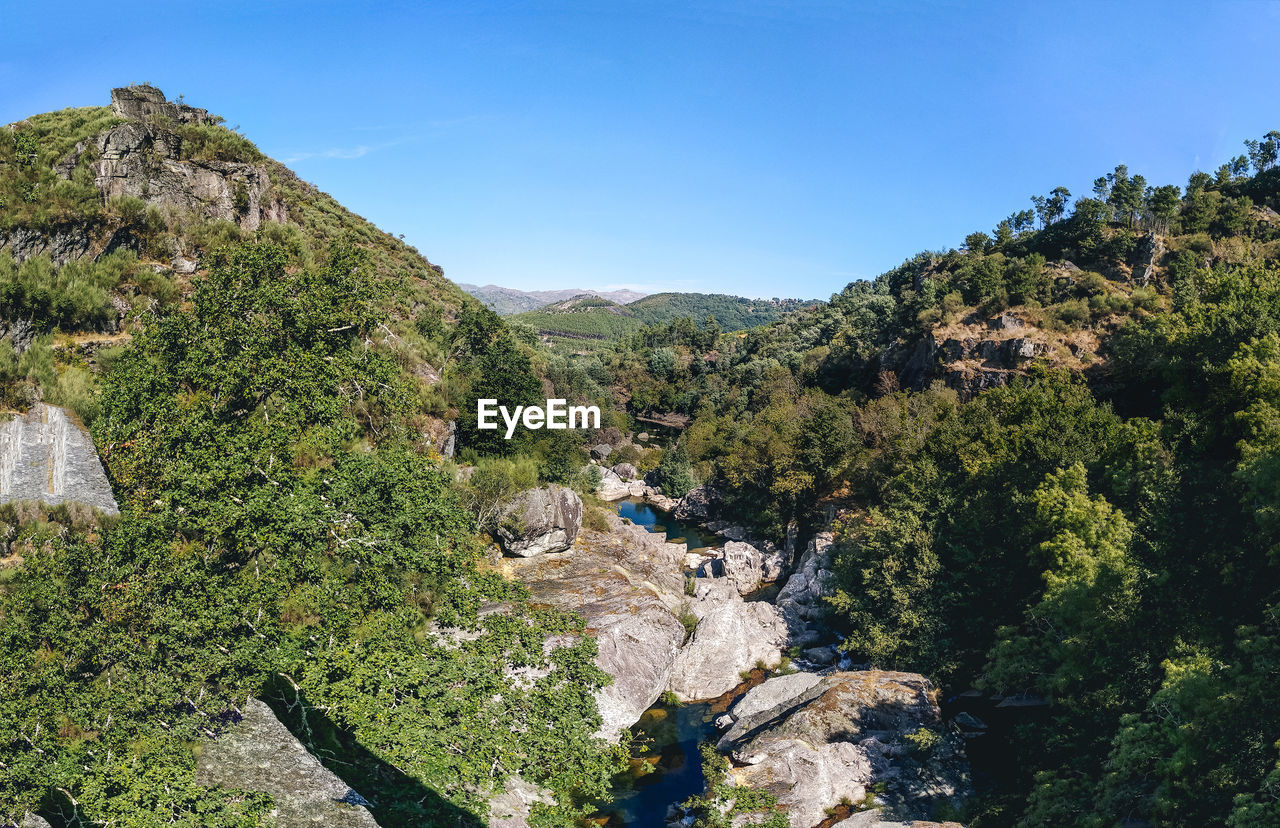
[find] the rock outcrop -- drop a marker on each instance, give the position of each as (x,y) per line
(143,102)
(732,636)
(628,585)
(801,595)
(1149,253)
(260,754)
(540,520)
(815,741)
(143,158)
(745,566)
(45,456)
(699,504)
(144,161)
(61,244)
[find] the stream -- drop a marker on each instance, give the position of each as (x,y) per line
(666,767)
(655,520)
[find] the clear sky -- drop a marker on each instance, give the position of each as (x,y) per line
(750,147)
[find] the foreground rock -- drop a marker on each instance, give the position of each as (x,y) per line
(260,754)
(46,456)
(732,637)
(628,585)
(539,521)
(814,742)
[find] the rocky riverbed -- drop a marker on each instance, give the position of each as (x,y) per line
(669,621)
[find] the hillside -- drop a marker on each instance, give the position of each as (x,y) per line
(508,301)
(271,383)
(991,538)
(581,321)
(732,313)
(578,324)
(1051,455)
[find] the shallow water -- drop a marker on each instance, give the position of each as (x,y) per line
(656,520)
(668,769)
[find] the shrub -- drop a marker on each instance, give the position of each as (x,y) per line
(593,518)
(1072,314)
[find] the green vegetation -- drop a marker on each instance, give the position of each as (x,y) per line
(265,549)
(1094,526)
(590,322)
(1098,530)
(723,802)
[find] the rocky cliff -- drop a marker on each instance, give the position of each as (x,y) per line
(154,156)
(146,159)
(46,456)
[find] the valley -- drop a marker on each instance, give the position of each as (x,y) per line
(988,540)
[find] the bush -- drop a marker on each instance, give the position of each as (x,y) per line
(593,518)
(1072,314)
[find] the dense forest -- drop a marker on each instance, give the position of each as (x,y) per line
(1050,457)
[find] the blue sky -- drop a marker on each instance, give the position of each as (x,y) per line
(758,148)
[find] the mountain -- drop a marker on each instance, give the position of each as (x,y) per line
(509,301)
(578,322)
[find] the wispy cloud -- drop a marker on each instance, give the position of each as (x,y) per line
(422,131)
(333,152)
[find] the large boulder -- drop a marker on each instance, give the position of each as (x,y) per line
(612,487)
(731,637)
(745,565)
(47,456)
(601,451)
(628,585)
(699,504)
(540,520)
(813,743)
(626,471)
(767,701)
(260,754)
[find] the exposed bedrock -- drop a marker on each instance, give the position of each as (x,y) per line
(47,457)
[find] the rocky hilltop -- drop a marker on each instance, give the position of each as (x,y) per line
(168,178)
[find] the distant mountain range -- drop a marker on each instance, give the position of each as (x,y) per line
(584,318)
(508,301)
